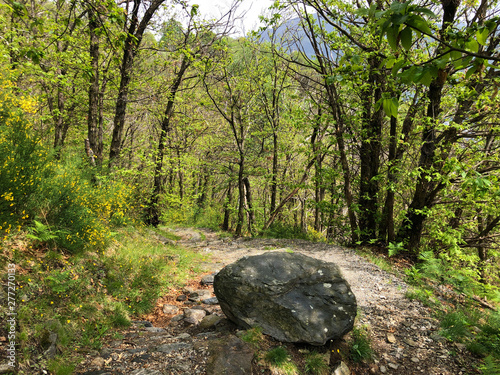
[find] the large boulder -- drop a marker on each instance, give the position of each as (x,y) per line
(292,297)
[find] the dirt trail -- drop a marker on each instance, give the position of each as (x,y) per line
(403,334)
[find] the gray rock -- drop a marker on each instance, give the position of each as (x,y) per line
(183,336)
(194,316)
(199,295)
(181,298)
(169,348)
(383,369)
(342,369)
(207,280)
(145,371)
(170,309)
(292,297)
(229,356)
(210,301)
(210,321)
(5,368)
(177,318)
(97,362)
(154,329)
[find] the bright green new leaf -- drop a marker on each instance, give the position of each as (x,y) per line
(482,36)
(472,45)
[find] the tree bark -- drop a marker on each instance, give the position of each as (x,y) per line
(135,33)
(153,214)
(93,112)
(370,154)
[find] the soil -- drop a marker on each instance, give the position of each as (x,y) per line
(403,333)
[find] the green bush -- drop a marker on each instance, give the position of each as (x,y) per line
(23,159)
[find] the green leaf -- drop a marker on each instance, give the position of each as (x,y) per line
(419,23)
(482,36)
(394,107)
(470,71)
(389,63)
(472,45)
(397,66)
(425,11)
(392,37)
(406,37)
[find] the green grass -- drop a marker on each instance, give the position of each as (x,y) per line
(254,337)
(280,361)
(316,364)
(84,298)
(360,349)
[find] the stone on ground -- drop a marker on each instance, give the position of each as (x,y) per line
(229,356)
(292,297)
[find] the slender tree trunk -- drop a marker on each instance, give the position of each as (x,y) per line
(241,197)
(132,42)
(227,207)
(251,213)
(370,154)
(387,230)
(274,177)
(153,214)
(93,113)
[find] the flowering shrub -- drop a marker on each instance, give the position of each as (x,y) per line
(76,210)
(23,159)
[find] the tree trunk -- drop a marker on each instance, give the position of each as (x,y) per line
(251,213)
(387,230)
(274,177)
(427,188)
(93,112)
(132,42)
(241,198)
(227,208)
(370,154)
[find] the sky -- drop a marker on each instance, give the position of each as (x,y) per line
(251,8)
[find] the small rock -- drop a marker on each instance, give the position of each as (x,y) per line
(437,338)
(177,318)
(181,298)
(391,338)
(5,368)
(210,301)
(199,295)
(393,365)
(342,369)
(411,342)
(154,329)
(97,362)
(183,336)
(383,369)
(194,316)
(415,359)
(207,280)
(145,371)
(210,321)
(168,348)
(229,355)
(143,323)
(170,309)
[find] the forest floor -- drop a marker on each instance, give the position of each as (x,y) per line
(404,335)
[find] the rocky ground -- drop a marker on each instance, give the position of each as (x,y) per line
(187,329)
